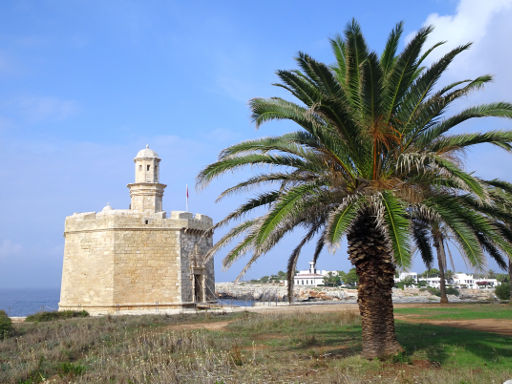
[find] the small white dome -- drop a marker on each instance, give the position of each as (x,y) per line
(106,208)
(146,152)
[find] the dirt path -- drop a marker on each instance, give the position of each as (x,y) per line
(317,308)
(313,308)
(500,326)
(211,326)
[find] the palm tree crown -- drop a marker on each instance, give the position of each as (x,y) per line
(373,147)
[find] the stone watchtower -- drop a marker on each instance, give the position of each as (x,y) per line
(137,260)
(146,192)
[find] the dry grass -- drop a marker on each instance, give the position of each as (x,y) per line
(252,348)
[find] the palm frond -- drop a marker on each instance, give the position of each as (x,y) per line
(449,212)
(371,89)
(292,261)
(232,163)
(388,55)
(402,72)
(397,229)
(418,91)
(356,53)
(443,144)
(282,177)
(422,240)
(339,220)
(286,205)
(488,110)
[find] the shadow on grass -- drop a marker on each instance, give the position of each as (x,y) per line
(442,345)
(460,346)
(343,342)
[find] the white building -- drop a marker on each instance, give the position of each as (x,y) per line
(311,276)
(486,283)
(463,280)
(405,275)
(460,280)
(433,282)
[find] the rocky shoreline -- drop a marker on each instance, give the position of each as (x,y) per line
(279,293)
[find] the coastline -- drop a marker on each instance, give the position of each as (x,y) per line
(18,303)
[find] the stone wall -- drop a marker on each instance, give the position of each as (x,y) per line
(194,244)
(88,270)
(146,266)
(123,260)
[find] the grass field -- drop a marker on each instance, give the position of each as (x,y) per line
(252,348)
(460,312)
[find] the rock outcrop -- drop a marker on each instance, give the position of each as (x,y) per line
(278,292)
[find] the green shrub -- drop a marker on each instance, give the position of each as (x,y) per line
(434,291)
(50,316)
(503,291)
(449,291)
(73,369)
(452,291)
(6,328)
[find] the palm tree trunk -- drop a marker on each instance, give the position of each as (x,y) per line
(510,279)
(370,254)
(441,260)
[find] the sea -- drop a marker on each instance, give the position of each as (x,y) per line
(24,302)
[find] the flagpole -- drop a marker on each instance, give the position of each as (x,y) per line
(186,197)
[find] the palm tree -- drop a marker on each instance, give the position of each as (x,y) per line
(372,146)
(501,194)
(440,236)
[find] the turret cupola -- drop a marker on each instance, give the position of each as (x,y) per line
(146,192)
(146,166)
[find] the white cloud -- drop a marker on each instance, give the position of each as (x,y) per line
(470,23)
(37,109)
(487,25)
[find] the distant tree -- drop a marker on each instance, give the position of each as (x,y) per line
(432,272)
(407,282)
(332,279)
(503,291)
(280,276)
(503,277)
(350,278)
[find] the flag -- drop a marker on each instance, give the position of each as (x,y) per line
(186,197)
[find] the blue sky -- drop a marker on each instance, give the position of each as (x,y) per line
(84,85)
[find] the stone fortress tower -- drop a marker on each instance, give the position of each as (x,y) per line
(137,260)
